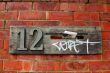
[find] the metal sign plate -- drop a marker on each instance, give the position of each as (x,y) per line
(55,40)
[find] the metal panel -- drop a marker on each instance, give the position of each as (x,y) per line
(55,40)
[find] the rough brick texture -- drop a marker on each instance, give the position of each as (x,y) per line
(54,13)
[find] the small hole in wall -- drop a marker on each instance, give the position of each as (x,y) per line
(56,37)
(80,37)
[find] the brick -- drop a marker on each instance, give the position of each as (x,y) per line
(97,72)
(94,7)
(60,15)
(2,5)
(26,57)
(6,44)
(9,71)
(105,16)
(83,1)
(27,65)
(17,0)
(73,7)
(19,6)
(12,65)
(82,72)
(106,45)
(75,1)
(106,55)
(64,6)
(90,16)
(102,1)
(93,23)
(105,35)
(107,8)
(69,6)
(46,6)
(1,24)
(73,23)
(18,23)
(89,57)
(99,65)
(79,23)
(46,23)
(106,72)
(59,57)
(32,15)
(105,26)
(54,0)
(78,65)
(4,34)
(1,44)
(44,66)
(1,64)
(93,1)
(107,1)
(4,54)
(8,15)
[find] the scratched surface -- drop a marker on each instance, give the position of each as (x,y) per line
(54,41)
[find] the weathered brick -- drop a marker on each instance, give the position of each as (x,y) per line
(32,15)
(46,6)
(2,5)
(99,65)
(90,16)
(8,15)
(12,65)
(51,66)
(19,6)
(78,65)
(105,16)
(60,15)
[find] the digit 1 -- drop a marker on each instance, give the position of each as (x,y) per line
(21,35)
(36,43)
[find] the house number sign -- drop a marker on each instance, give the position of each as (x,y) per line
(55,40)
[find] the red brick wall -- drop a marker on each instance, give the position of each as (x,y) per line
(55,13)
